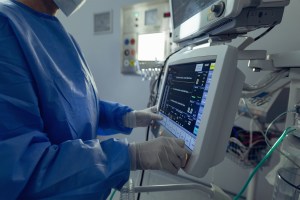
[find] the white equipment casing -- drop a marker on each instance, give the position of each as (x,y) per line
(224,18)
(220,107)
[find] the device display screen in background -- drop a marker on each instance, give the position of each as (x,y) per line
(183,10)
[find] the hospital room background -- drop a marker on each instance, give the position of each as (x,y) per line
(103,53)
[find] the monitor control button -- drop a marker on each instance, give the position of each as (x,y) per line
(218,8)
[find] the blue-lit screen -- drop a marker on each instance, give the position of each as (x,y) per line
(183,98)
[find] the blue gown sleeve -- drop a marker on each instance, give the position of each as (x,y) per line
(111,118)
(111,113)
(31,166)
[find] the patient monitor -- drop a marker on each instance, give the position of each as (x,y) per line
(199,99)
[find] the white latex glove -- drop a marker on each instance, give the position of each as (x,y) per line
(141,118)
(163,153)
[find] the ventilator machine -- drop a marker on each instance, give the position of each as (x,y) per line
(201,88)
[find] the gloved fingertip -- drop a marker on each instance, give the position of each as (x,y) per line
(184,161)
(180,142)
(159,117)
(154,109)
(156,117)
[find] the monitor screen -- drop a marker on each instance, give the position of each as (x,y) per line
(184,10)
(184,97)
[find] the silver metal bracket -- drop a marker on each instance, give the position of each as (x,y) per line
(276,61)
(215,193)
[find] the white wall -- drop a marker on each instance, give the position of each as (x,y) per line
(103,55)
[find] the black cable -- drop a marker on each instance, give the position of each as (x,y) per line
(143,171)
(141,184)
(264,33)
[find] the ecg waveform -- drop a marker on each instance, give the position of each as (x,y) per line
(183,78)
(179,90)
(183,94)
(178,103)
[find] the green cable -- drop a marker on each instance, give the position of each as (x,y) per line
(278,142)
(270,125)
(112,195)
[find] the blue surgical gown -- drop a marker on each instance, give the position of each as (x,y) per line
(50,115)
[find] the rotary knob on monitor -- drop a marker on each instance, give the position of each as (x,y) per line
(218,8)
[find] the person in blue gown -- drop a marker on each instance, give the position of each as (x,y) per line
(51,113)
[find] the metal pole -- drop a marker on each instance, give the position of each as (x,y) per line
(172,187)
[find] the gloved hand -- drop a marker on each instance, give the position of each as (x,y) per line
(163,153)
(141,118)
